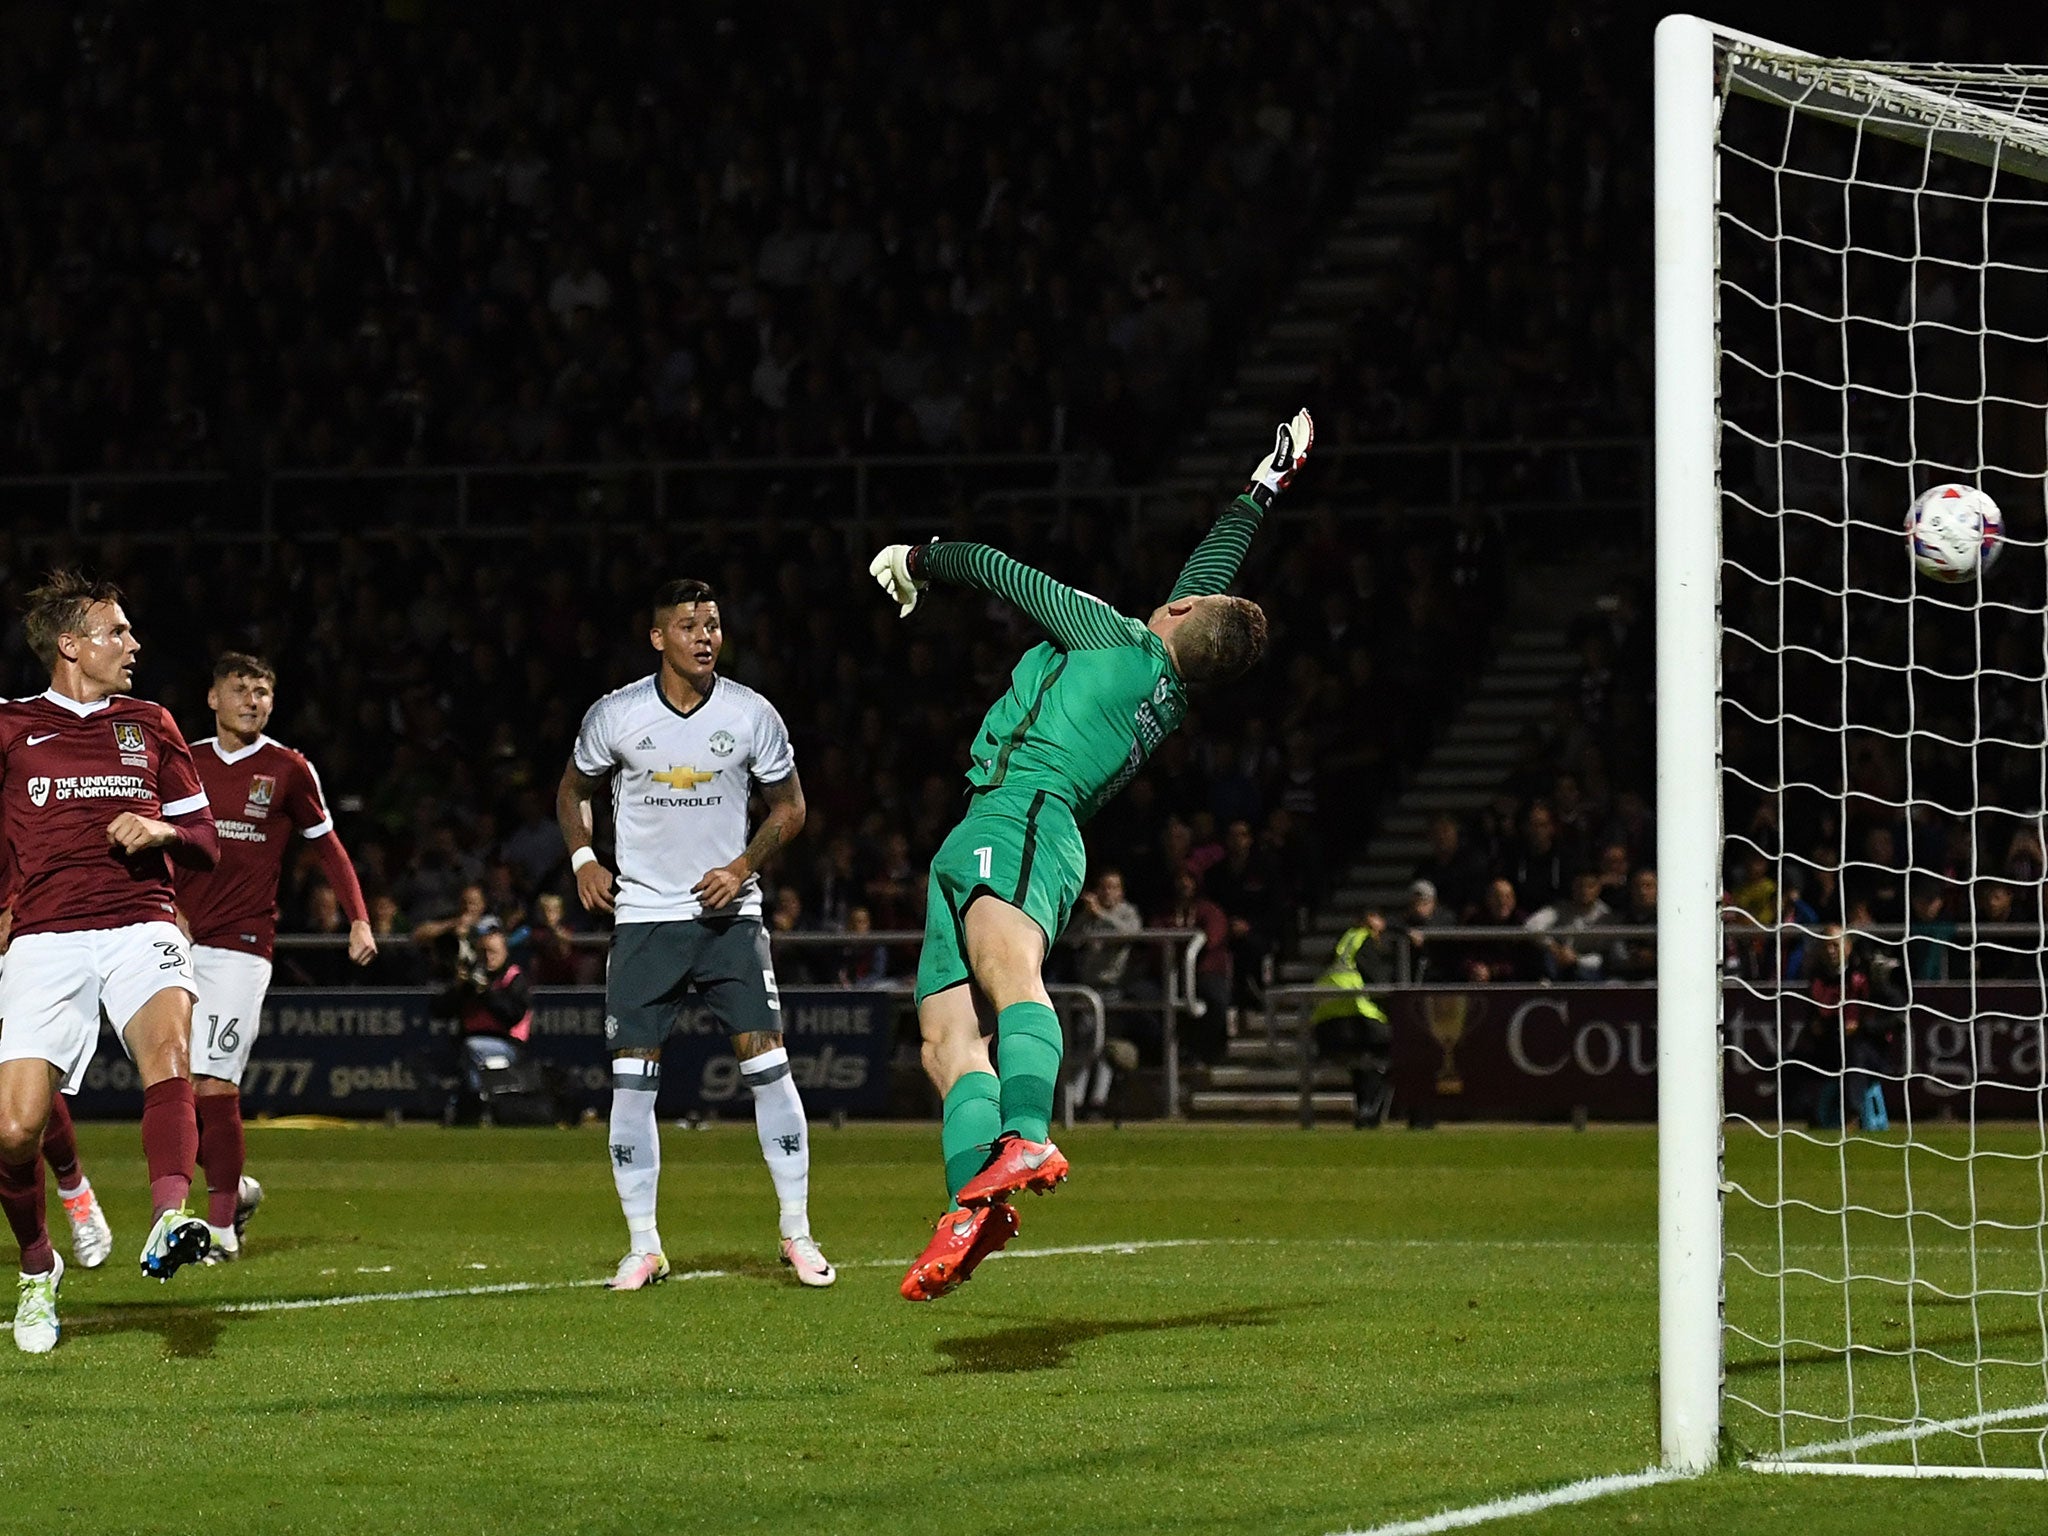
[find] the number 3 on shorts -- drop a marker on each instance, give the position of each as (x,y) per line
(986,858)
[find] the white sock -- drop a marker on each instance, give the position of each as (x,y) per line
(785,1136)
(75,1190)
(636,1147)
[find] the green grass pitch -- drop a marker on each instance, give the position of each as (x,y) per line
(1350,1329)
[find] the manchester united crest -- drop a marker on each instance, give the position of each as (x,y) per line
(127,735)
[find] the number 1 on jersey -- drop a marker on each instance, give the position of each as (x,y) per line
(986,858)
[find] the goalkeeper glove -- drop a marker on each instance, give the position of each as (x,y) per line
(1275,472)
(894,571)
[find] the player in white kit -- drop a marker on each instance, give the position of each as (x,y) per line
(681,749)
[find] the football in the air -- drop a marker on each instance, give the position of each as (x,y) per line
(1954,531)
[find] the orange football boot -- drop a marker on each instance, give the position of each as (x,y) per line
(1015,1165)
(963,1239)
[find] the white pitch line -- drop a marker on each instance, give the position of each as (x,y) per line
(1073,1250)
(1527,1503)
(1895,1469)
(524,1287)
(307,1303)
(1091,1248)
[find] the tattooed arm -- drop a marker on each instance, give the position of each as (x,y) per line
(721,887)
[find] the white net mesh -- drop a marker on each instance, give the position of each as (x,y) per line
(1883,287)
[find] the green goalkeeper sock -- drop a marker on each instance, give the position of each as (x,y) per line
(974,1114)
(1028,1043)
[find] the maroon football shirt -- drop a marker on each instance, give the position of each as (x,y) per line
(66,771)
(261,795)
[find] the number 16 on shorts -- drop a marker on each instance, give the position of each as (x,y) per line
(231,985)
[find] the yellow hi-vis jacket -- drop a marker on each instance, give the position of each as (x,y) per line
(1343,972)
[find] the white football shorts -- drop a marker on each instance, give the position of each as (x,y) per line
(224,1020)
(54,985)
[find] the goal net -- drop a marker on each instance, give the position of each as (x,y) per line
(1853,307)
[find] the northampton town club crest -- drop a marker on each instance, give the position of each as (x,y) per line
(262,790)
(127,735)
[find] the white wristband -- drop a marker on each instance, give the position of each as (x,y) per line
(582,856)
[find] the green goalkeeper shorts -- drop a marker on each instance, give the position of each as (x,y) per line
(1019,848)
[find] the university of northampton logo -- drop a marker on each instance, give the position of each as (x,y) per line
(127,735)
(38,791)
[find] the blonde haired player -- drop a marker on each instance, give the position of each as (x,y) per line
(100,800)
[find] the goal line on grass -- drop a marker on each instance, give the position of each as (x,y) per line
(1805,1458)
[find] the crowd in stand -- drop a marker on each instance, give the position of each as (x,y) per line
(323,236)
(1567,844)
(437,686)
(316,238)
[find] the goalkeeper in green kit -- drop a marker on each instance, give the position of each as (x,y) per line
(1083,712)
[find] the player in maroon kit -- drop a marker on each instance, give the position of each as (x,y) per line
(99,797)
(261,794)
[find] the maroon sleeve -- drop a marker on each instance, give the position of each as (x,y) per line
(183,799)
(198,844)
(178,789)
(341,876)
(306,806)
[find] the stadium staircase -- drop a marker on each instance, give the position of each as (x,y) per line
(1469,763)
(1398,199)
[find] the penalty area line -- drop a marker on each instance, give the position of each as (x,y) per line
(1528,1503)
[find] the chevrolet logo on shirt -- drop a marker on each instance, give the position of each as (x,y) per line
(683,777)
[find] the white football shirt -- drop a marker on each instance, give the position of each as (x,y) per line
(679,789)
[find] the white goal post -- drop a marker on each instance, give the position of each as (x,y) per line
(1851,307)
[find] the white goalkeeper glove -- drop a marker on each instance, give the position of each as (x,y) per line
(891,570)
(1275,472)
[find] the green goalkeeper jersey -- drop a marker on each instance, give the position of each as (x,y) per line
(1087,707)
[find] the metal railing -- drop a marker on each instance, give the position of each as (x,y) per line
(1405,953)
(1177,950)
(1303,998)
(1739,926)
